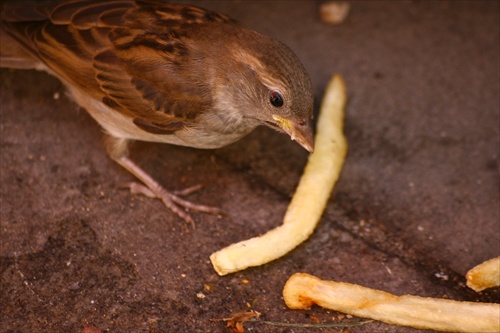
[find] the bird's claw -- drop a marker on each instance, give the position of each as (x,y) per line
(173,200)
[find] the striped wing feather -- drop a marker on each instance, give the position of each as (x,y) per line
(134,56)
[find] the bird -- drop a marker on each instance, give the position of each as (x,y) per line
(154,71)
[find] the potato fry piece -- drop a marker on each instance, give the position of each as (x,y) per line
(485,275)
(303,290)
(310,198)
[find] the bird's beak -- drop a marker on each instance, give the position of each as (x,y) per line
(300,132)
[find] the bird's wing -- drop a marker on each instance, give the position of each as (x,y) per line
(133,56)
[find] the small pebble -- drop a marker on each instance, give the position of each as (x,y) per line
(334,12)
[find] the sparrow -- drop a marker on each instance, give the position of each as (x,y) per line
(161,72)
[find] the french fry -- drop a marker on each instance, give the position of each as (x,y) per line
(485,275)
(310,198)
(303,290)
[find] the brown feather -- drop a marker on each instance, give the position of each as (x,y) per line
(106,60)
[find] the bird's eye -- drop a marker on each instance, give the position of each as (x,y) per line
(276,99)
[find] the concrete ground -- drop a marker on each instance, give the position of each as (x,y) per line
(417,204)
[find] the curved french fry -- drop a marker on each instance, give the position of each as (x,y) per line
(303,290)
(310,198)
(485,275)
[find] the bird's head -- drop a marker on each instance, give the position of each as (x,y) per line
(271,86)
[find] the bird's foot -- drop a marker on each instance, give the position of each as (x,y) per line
(137,188)
(172,200)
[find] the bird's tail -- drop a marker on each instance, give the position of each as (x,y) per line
(12,55)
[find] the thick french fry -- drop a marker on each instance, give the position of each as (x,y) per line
(310,198)
(485,275)
(303,290)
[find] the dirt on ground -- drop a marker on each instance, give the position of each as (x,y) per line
(417,204)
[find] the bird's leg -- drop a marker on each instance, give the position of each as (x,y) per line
(117,149)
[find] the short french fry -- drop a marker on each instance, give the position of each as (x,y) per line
(310,198)
(485,275)
(303,290)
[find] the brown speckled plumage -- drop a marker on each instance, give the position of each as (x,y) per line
(153,71)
